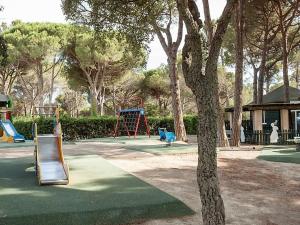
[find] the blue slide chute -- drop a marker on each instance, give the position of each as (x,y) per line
(10,132)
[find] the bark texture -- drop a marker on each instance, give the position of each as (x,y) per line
(176,99)
(222,137)
(255,73)
(205,89)
(238,90)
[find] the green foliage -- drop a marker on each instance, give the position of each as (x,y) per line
(156,82)
(3,51)
(94,127)
(35,41)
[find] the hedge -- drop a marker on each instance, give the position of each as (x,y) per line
(94,127)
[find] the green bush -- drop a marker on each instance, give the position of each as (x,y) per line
(94,127)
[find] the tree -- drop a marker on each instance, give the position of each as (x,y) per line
(205,88)
(36,45)
(239,66)
(288,17)
(296,66)
(222,137)
(71,102)
(156,84)
(139,20)
(97,57)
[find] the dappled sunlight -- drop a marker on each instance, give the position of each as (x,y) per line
(18,191)
(97,190)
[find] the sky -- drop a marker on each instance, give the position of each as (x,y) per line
(50,11)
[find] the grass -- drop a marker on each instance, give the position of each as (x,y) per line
(98,193)
(286,154)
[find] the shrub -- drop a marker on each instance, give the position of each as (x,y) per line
(94,127)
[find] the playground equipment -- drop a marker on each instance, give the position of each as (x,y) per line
(8,131)
(132,119)
(164,135)
(49,160)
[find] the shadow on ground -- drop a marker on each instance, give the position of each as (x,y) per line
(99,193)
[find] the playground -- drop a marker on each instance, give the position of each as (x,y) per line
(141,181)
(149,112)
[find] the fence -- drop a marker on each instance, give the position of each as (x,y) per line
(263,137)
(247,124)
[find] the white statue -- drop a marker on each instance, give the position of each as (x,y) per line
(274,134)
(242,135)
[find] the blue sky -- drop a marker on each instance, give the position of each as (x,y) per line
(50,11)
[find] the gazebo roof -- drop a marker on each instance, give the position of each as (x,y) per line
(277,95)
(274,100)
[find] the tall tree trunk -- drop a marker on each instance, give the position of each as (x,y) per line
(94,101)
(171,49)
(285,67)
(255,72)
(238,95)
(40,82)
(262,70)
(52,85)
(102,100)
(176,100)
(208,23)
(297,75)
(222,137)
(114,100)
(268,81)
(205,89)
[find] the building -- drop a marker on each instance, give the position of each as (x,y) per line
(286,116)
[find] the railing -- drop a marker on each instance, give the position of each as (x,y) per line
(247,124)
(263,137)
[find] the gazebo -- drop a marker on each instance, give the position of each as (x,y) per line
(285,115)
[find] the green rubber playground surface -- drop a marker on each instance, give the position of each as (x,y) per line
(145,144)
(161,149)
(98,193)
(286,154)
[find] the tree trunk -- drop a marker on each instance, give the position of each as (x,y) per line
(102,100)
(283,30)
(238,95)
(40,83)
(94,101)
(176,100)
(222,137)
(205,88)
(285,67)
(255,72)
(297,75)
(114,100)
(208,24)
(262,70)
(52,85)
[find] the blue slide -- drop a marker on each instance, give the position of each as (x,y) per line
(9,132)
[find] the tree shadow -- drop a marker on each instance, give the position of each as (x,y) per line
(99,193)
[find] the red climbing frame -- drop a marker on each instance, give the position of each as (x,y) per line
(130,116)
